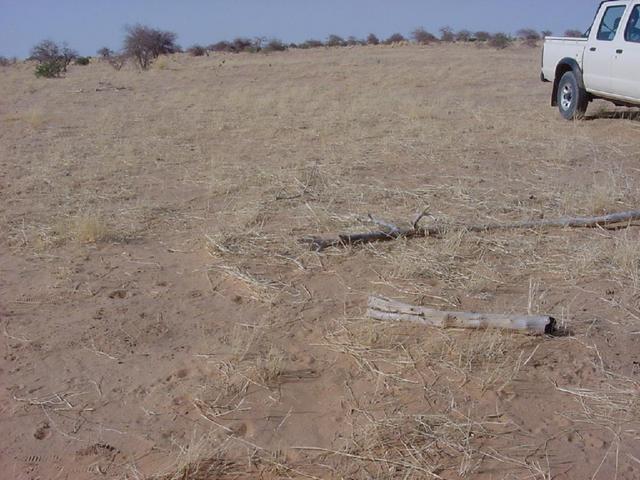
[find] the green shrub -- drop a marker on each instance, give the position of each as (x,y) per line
(50,69)
(82,61)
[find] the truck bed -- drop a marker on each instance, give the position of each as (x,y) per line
(557,48)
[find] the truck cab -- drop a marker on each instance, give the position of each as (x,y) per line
(605,63)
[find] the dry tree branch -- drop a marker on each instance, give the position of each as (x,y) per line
(389,310)
(392,232)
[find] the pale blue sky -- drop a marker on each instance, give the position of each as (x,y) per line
(87,25)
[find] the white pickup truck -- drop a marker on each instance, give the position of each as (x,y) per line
(605,63)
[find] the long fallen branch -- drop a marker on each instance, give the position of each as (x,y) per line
(392,232)
(391,311)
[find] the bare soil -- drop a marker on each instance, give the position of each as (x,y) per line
(160,318)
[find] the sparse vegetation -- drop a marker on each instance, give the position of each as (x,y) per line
(464,36)
(117,61)
(242,44)
(574,33)
(335,41)
(197,51)
(483,36)
(529,36)
(274,45)
(500,41)
(447,34)
(311,44)
(82,61)
(222,46)
(240,353)
(6,62)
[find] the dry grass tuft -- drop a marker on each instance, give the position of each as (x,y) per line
(270,366)
(89,228)
(36,119)
(201,458)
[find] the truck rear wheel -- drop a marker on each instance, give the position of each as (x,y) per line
(572,99)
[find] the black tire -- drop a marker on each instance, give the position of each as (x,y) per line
(572,99)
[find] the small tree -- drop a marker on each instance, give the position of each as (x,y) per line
(46,51)
(546,33)
(500,41)
(395,38)
(145,44)
(105,53)
(52,58)
(422,37)
(447,34)
(482,36)
(574,33)
(68,56)
(335,41)
(463,36)
(372,39)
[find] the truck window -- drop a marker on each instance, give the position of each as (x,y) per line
(632,33)
(610,23)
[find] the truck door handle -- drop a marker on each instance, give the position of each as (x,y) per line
(619,50)
(593,49)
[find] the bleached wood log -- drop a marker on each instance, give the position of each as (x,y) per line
(391,311)
(319,243)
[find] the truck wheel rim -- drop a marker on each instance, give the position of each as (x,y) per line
(566,97)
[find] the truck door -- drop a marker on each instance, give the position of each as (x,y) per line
(625,74)
(601,48)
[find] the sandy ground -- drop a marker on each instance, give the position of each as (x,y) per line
(160,318)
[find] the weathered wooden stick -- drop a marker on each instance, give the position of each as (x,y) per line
(319,243)
(392,311)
